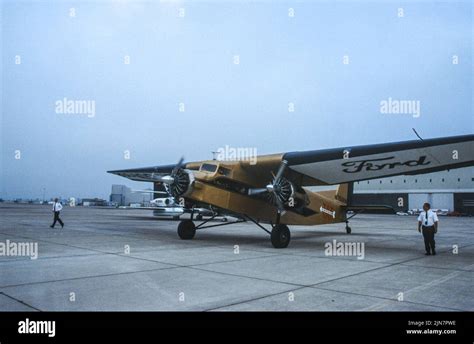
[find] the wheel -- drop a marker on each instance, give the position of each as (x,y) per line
(199,217)
(348,230)
(224,219)
(280,236)
(186,229)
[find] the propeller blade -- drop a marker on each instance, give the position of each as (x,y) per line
(178,166)
(283,165)
(180,162)
(280,206)
(163,179)
(150,191)
(256,191)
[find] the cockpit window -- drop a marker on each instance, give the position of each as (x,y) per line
(208,168)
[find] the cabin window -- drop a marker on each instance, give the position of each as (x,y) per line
(224,171)
(209,168)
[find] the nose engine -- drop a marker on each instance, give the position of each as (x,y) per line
(181,183)
(279,192)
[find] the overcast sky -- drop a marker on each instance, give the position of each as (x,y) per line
(79,50)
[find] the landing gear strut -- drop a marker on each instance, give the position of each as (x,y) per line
(187,229)
(348,229)
(279,235)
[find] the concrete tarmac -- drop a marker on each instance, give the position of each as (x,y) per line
(127,260)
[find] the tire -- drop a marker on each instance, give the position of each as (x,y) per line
(280,236)
(186,230)
(348,230)
(199,217)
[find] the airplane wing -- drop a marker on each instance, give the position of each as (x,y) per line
(349,164)
(345,164)
(144,174)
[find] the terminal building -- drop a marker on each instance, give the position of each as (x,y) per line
(451,190)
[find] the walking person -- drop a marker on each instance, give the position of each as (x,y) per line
(428,225)
(57,207)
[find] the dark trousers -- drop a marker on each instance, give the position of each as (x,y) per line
(56,218)
(428,235)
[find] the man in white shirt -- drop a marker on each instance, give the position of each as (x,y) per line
(428,223)
(57,207)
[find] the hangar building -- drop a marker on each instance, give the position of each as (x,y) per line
(452,190)
(124,196)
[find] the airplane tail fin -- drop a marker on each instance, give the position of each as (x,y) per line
(344,192)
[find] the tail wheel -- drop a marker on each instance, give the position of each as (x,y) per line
(186,230)
(280,236)
(348,229)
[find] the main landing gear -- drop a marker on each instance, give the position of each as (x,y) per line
(348,229)
(186,229)
(279,235)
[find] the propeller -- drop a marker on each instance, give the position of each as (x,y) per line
(278,191)
(178,181)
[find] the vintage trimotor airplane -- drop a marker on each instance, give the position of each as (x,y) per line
(242,188)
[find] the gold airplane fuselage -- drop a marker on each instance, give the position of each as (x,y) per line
(223,185)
